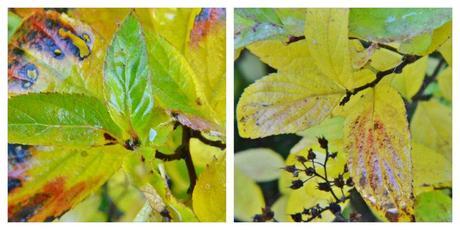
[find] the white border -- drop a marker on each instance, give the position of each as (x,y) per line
(229,5)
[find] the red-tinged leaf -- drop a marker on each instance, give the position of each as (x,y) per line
(378,141)
(45,182)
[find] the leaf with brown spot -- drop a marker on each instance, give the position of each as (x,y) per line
(377,139)
(55,179)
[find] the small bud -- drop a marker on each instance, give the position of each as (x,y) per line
(311,154)
(296,184)
(290,168)
(324,186)
(258,218)
(301,159)
(297,217)
(322,142)
(333,155)
(309,171)
(335,208)
(306,211)
(339,182)
(314,211)
(350,182)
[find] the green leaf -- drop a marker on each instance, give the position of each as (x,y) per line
(14,22)
(433,206)
(127,84)
(55,179)
(445,83)
(249,199)
(384,25)
(260,164)
(59,119)
(209,196)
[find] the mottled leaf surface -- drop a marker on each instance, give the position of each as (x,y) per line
(48,181)
(378,141)
(383,25)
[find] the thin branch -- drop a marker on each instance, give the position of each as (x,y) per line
(199,136)
(408,59)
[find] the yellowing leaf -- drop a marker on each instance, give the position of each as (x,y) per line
(205,51)
(293,57)
(249,199)
(445,83)
(174,24)
(260,164)
(431,126)
(326,32)
(286,103)
(411,79)
(51,180)
(429,168)
(377,139)
(446,51)
(383,59)
(279,208)
(209,193)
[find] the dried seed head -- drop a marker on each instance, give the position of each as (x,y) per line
(311,154)
(323,142)
(296,184)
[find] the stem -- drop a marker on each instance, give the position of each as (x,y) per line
(408,59)
(183,152)
(199,136)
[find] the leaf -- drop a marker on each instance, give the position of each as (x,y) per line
(209,195)
(59,119)
(383,25)
(326,33)
(249,199)
(127,83)
(174,85)
(331,129)
(435,119)
(260,164)
(50,180)
(433,206)
(286,103)
(446,51)
(205,51)
(377,139)
(428,42)
(46,50)
(383,59)
(291,57)
(430,168)
(174,24)
(14,21)
(411,79)
(279,208)
(445,83)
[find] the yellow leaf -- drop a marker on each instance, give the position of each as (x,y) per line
(377,139)
(261,164)
(286,103)
(411,79)
(205,51)
(430,169)
(326,32)
(383,59)
(209,194)
(293,57)
(446,51)
(279,208)
(445,83)
(431,126)
(249,199)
